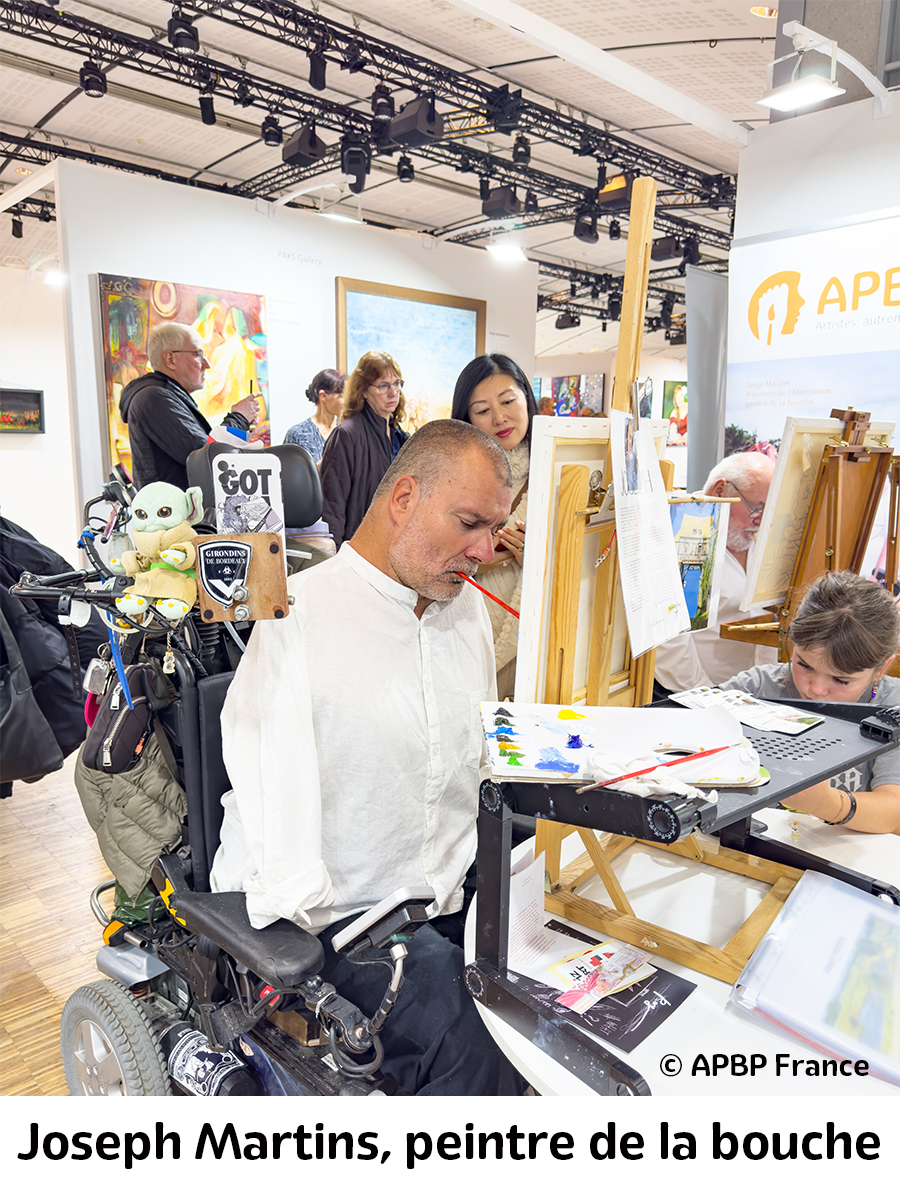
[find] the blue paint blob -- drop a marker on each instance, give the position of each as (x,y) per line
(574,742)
(552,760)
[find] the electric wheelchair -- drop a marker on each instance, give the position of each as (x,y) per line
(196,1001)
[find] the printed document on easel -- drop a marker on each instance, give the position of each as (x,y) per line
(655,608)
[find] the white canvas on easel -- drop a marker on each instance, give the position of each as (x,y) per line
(803,443)
(556,442)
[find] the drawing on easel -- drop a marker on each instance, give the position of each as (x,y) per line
(700,528)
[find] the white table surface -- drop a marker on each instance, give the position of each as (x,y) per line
(707,904)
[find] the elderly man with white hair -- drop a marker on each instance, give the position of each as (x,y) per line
(164,423)
(693,659)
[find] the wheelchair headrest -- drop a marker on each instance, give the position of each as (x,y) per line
(300,485)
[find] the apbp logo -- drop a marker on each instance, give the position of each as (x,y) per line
(775,307)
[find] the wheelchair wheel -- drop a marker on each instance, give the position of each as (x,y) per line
(108,1047)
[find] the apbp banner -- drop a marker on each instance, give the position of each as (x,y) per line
(814,324)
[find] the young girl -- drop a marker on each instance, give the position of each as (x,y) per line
(845,637)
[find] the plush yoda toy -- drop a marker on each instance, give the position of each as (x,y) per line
(163,559)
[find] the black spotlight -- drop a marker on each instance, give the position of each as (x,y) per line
(595,292)
(601,176)
(356,159)
(406,172)
(207,109)
(383,107)
(521,152)
(531,203)
(614,306)
(45,214)
(183,37)
(243,95)
(603,327)
(17,227)
(354,60)
(567,320)
(691,251)
(272,133)
(465,163)
(92,80)
(665,314)
(484,187)
(586,228)
(615,231)
(317,64)
(573,289)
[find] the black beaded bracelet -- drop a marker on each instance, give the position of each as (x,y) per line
(852,813)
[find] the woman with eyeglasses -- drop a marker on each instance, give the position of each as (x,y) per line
(326,392)
(364,444)
(494,394)
(845,637)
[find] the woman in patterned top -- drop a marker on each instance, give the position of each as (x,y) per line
(326,392)
(845,637)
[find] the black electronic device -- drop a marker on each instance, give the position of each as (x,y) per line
(397,914)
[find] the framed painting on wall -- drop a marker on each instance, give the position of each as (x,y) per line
(232,328)
(430,334)
(21,410)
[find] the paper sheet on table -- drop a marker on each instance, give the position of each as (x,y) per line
(532,948)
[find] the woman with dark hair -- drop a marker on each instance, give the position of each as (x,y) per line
(845,637)
(326,392)
(364,444)
(494,394)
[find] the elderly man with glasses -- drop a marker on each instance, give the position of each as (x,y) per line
(164,423)
(693,659)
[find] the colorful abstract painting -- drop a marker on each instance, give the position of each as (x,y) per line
(431,336)
(232,328)
(569,395)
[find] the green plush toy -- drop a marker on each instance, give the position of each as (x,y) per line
(162,561)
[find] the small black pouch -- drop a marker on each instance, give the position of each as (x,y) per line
(119,734)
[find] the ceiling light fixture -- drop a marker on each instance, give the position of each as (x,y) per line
(567,320)
(763,10)
(17,227)
(207,109)
(501,202)
(23,171)
(614,306)
(354,60)
(92,80)
(507,252)
(586,228)
(804,90)
(615,231)
(406,172)
(242,95)
(45,214)
(484,187)
(304,148)
(183,37)
(383,107)
(521,152)
(272,133)
(317,64)
(531,203)
(356,159)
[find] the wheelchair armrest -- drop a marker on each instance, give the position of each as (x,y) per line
(282,954)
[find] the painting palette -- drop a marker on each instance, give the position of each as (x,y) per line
(550,742)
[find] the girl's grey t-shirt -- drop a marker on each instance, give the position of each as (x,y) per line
(773,681)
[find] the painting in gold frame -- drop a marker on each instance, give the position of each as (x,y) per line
(431,335)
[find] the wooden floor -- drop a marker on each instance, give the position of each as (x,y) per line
(50,938)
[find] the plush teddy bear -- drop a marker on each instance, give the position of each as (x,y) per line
(162,561)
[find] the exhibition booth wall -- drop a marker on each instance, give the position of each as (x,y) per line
(37,479)
(127,226)
(814,271)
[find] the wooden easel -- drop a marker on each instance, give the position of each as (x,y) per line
(848,487)
(576,506)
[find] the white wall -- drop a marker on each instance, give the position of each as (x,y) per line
(116,223)
(818,171)
(36,470)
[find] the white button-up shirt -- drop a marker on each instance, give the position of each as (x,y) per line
(353,744)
